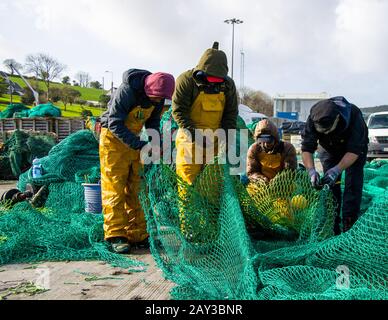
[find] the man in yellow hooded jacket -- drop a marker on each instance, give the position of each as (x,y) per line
(204,98)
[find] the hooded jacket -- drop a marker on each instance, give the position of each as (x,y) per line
(129,95)
(285,149)
(351,134)
(213,63)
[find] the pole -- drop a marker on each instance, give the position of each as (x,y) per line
(232,48)
(233,22)
(111,90)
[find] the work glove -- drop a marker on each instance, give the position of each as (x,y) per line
(314,178)
(331,176)
(244,179)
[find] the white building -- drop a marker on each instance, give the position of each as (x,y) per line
(296,106)
(249,115)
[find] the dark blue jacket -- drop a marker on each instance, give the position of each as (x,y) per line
(129,95)
(351,134)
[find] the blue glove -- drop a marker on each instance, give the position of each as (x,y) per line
(331,176)
(244,179)
(314,177)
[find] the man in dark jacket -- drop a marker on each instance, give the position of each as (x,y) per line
(138,102)
(339,127)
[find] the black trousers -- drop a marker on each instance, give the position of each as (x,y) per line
(351,199)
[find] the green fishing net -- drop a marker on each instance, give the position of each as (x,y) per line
(13,108)
(199,236)
(19,110)
(59,229)
(199,239)
(20,149)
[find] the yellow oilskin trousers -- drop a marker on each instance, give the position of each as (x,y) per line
(206,113)
(120,182)
(271,164)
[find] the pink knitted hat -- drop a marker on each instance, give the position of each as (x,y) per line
(159,84)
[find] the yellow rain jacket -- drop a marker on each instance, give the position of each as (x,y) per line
(198,104)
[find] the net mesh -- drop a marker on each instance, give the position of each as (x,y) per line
(210,255)
(19,110)
(59,229)
(199,236)
(13,108)
(20,149)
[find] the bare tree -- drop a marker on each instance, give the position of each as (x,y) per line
(44,67)
(83,78)
(8,62)
(257,100)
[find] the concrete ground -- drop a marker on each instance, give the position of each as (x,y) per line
(82,280)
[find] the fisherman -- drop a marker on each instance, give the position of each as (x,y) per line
(339,127)
(137,103)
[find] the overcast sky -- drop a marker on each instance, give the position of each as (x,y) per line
(290,46)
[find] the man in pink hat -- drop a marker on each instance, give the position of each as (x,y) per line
(138,102)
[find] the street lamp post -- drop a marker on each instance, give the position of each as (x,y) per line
(233,21)
(111,88)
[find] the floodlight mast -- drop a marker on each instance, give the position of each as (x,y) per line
(36,94)
(233,22)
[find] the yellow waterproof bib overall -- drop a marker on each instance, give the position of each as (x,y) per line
(271,164)
(120,181)
(206,113)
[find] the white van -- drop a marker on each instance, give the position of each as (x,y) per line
(378,135)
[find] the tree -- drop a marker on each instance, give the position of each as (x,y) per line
(66,80)
(3,86)
(8,62)
(68,95)
(257,100)
(75,83)
(55,94)
(28,97)
(103,100)
(83,78)
(44,67)
(96,85)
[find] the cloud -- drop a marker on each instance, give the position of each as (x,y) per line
(362,33)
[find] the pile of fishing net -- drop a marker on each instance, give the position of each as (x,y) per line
(20,148)
(199,236)
(11,109)
(199,239)
(19,110)
(59,229)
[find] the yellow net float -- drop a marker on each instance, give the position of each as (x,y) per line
(299,202)
(282,209)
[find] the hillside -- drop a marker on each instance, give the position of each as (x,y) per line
(89,94)
(71,110)
(375,109)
